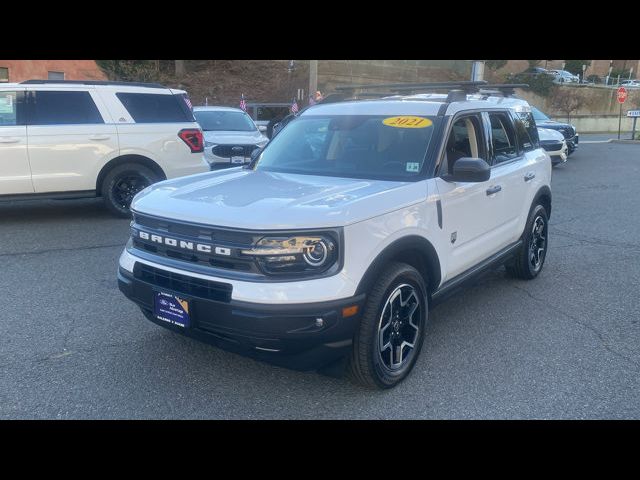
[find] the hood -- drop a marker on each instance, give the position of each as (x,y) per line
(235,138)
(549,134)
(551,124)
(259,200)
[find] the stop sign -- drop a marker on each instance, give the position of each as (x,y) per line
(622,94)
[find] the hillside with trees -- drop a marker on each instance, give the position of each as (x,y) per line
(218,82)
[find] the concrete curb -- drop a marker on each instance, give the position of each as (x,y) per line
(633,142)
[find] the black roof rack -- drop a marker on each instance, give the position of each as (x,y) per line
(415,86)
(93,82)
(505,89)
(457,90)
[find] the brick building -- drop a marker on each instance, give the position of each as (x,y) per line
(20,70)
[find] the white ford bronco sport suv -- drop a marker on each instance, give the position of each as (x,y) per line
(343,231)
(71,139)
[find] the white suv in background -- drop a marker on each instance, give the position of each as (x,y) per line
(338,237)
(70,139)
(230,135)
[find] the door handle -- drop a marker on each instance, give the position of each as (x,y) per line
(529,176)
(492,190)
(9,140)
(99,137)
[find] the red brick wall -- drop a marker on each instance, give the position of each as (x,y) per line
(20,70)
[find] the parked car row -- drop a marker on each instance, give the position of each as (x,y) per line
(630,84)
(559,76)
(72,139)
(567,130)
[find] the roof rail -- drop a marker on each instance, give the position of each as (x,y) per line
(93,82)
(506,89)
(415,86)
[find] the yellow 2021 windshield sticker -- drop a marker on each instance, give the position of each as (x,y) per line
(407,121)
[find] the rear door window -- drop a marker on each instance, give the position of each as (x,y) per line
(526,131)
(156,108)
(503,139)
(60,108)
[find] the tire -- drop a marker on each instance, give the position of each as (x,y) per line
(399,285)
(524,265)
(122,183)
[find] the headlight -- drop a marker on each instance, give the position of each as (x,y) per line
(262,143)
(295,254)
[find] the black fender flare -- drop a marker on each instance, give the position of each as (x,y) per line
(543,195)
(427,262)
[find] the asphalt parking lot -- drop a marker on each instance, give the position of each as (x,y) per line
(562,346)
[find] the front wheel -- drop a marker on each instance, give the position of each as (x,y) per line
(391,332)
(122,183)
(530,258)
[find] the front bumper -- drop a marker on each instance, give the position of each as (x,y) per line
(284,334)
(557,151)
(572,143)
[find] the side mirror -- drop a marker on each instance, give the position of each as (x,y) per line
(469,169)
(262,128)
(255,153)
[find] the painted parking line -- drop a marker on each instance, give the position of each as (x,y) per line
(596,141)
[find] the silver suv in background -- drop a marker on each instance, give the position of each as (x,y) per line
(230,135)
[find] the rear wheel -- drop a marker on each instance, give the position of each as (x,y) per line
(391,332)
(122,183)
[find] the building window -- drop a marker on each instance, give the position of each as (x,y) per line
(4,74)
(56,76)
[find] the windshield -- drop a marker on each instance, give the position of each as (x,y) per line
(538,115)
(358,146)
(224,120)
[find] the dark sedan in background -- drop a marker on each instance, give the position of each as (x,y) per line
(569,132)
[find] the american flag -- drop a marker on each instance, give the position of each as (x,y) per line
(294,106)
(243,104)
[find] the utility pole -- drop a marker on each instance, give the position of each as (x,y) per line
(313,76)
(179,68)
(477,70)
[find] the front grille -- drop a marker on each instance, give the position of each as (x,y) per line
(194,287)
(228,151)
(234,241)
(551,146)
(567,132)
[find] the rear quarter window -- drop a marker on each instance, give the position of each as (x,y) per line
(526,131)
(156,108)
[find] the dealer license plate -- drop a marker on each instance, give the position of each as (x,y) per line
(171,309)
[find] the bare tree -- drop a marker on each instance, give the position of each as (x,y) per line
(567,100)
